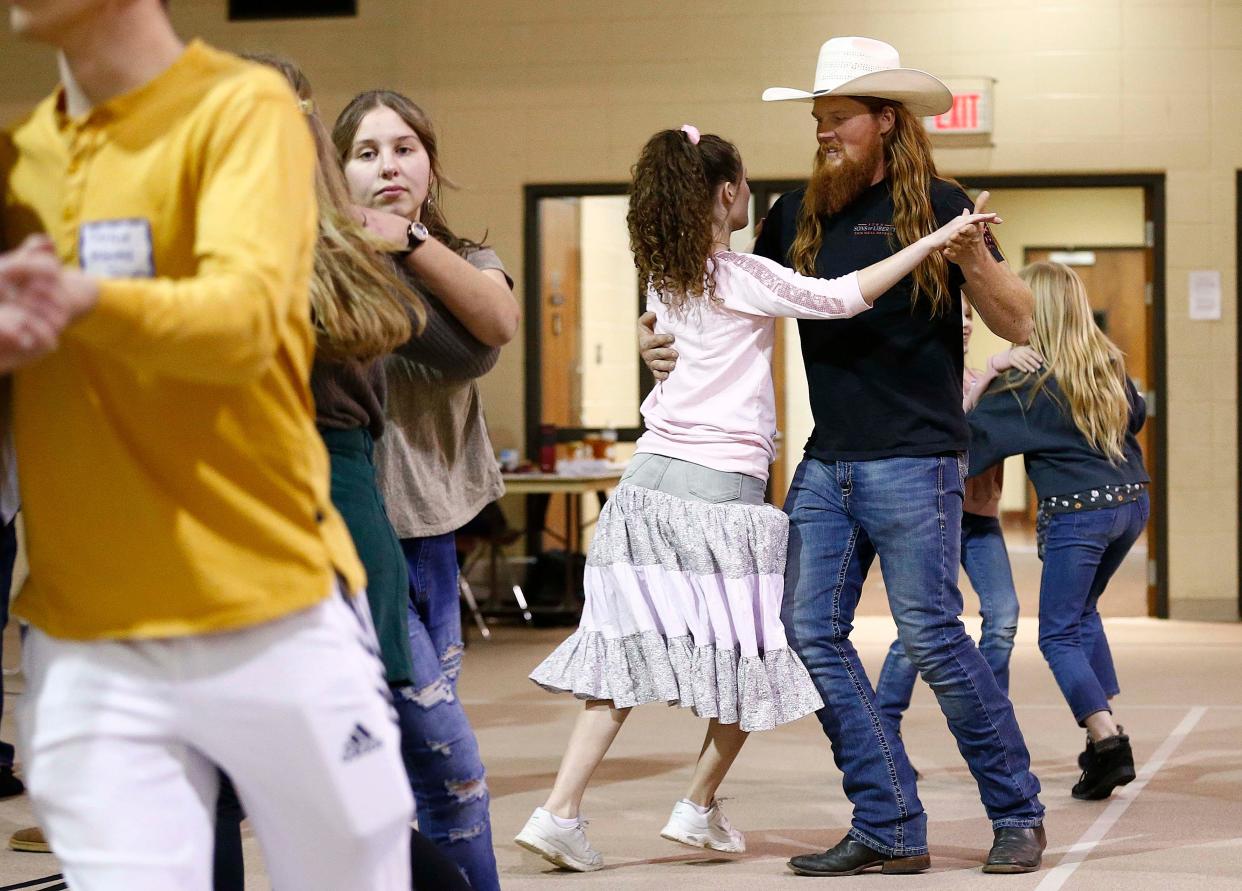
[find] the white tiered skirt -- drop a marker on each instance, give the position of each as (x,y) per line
(683,604)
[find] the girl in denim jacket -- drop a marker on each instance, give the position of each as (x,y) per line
(1075,422)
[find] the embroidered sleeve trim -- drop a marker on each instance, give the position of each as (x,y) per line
(783,289)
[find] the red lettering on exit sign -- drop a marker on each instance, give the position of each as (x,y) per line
(963,117)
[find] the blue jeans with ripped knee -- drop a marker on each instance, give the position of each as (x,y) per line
(439,747)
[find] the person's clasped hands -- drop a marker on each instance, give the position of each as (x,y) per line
(39,298)
(970,239)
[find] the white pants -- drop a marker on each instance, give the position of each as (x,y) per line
(122,740)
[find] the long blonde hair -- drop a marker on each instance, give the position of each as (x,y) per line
(361,307)
(910,169)
(1089,368)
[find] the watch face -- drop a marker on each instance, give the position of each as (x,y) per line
(415,235)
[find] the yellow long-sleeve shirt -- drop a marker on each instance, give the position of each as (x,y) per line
(172,478)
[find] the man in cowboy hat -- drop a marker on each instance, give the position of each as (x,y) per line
(882,473)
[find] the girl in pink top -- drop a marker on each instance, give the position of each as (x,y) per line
(685,574)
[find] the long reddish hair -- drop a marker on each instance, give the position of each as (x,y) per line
(910,169)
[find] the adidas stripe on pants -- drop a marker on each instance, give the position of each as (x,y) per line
(122,738)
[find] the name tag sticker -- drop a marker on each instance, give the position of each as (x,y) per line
(116,248)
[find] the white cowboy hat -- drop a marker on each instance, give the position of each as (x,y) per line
(860,66)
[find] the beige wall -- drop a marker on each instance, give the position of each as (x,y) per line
(567,90)
(1054,218)
(1063,218)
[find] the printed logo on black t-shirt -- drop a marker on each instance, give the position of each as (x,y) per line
(884,229)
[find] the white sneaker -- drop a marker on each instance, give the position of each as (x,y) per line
(710,830)
(567,848)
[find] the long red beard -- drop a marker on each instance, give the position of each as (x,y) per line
(835,185)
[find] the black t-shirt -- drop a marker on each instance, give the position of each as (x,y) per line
(888,382)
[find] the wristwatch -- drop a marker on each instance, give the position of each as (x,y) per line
(415,235)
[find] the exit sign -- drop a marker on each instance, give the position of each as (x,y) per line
(972,108)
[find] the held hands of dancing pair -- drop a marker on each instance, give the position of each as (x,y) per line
(39,298)
(961,240)
(965,239)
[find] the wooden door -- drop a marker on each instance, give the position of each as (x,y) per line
(560,300)
(560,272)
(1118,287)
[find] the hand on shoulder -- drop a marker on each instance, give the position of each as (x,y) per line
(1022,358)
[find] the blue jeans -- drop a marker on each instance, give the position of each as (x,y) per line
(987,565)
(908,511)
(439,747)
(1081,553)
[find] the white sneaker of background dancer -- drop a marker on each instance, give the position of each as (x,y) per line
(688,825)
(566,847)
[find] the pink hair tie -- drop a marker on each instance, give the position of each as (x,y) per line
(692,133)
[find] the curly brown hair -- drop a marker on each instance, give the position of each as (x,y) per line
(670,216)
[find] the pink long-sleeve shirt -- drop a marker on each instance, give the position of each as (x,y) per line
(718,407)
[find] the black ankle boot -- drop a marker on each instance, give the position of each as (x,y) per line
(850,857)
(1087,755)
(1110,765)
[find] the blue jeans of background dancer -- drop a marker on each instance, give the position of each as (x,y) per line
(908,511)
(1081,552)
(440,750)
(987,566)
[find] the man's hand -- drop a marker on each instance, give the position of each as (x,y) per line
(999,296)
(23,338)
(961,235)
(969,243)
(654,348)
(38,298)
(38,282)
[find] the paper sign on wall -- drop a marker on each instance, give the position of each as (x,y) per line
(1204,294)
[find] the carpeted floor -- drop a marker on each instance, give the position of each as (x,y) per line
(1179,826)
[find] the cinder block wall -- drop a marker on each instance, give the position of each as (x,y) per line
(567,90)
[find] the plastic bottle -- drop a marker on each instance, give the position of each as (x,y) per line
(609,435)
(547,448)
